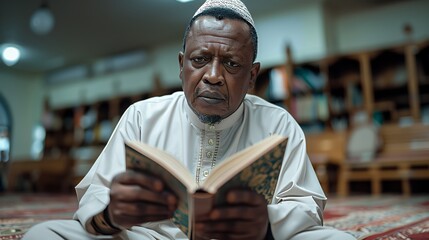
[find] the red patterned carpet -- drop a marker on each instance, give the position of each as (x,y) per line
(19,212)
(387,217)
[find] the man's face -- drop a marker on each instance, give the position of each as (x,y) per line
(217,66)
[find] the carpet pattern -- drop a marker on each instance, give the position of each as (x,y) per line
(19,212)
(387,217)
(369,218)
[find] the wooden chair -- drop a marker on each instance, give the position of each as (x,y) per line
(404,155)
(324,149)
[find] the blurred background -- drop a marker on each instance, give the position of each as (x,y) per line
(70,68)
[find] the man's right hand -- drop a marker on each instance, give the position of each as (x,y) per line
(137,197)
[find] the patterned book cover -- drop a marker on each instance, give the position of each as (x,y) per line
(261,176)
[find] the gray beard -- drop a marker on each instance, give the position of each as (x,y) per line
(209,119)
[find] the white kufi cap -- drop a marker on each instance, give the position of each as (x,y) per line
(234,5)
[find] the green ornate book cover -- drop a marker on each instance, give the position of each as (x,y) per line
(261,176)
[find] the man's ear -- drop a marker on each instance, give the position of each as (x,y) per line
(254,74)
(181,65)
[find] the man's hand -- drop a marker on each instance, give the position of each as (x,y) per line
(137,197)
(244,217)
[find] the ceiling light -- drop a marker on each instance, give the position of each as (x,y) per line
(10,55)
(184,1)
(42,21)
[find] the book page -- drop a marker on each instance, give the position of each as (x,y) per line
(165,161)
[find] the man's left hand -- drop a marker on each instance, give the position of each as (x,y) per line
(245,216)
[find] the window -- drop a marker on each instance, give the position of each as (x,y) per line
(5,136)
(5,130)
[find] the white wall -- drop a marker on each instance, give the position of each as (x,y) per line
(302,27)
(166,64)
(163,63)
(24,95)
(381,26)
(90,90)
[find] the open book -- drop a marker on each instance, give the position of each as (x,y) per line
(256,167)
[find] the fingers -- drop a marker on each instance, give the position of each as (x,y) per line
(144,180)
(130,214)
(244,216)
(245,197)
(137,197)
(132,193)
(241,204)
(225,227)
(133,186)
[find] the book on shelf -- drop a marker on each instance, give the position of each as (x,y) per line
(257,168)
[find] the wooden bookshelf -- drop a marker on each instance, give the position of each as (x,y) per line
(80,132)
(389,84)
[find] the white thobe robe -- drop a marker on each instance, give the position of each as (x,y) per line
(169,123)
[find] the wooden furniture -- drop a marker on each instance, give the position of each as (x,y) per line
(389,84)
(324,94)
(325,149)
(80,132)
(404,156)
(46,175)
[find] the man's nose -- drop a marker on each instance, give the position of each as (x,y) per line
(214,73)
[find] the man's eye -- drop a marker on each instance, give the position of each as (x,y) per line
(232,64)
(199,60)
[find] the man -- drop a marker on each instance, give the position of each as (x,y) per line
(212,119)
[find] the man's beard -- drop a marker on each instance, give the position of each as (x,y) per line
(209,119)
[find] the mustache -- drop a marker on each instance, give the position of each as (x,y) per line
(209,93)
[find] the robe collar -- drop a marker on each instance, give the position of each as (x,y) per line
(222,125)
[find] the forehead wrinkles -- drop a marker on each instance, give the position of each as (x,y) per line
(228,28)
(211,42)
(230,33)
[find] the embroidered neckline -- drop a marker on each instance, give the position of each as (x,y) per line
(200,155)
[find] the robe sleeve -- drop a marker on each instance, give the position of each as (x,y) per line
(93,191)
(299,199)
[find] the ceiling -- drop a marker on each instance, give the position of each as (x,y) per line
(87,30)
